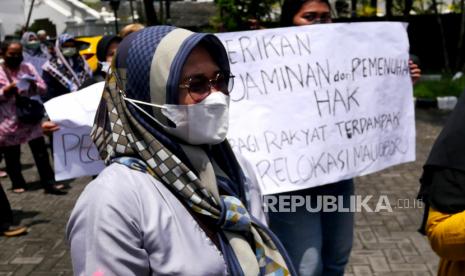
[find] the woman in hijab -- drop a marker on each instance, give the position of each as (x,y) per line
(18,78)
(66,70)
(173,199)
(443,192)
(106,49)
(33,51)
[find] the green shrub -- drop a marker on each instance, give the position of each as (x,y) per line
(430,89)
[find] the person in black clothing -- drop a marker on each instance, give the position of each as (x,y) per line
(7,227)
(442,191)
(106,49)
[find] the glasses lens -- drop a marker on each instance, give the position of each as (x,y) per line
(199,88)
(198,84)
(223,82)
(220,83)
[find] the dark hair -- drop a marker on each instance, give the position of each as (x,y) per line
(291,7)
(104,43)
(7,43)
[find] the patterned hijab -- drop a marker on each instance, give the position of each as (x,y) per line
(148,67)
(70,72)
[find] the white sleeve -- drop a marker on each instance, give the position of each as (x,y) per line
(103,230)
(252,189)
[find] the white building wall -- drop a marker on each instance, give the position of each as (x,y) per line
(11,16)
(13,13)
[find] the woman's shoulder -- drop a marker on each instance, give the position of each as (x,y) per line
(119,181)
(117,191)
(121,187)
(128,215)
(249,173)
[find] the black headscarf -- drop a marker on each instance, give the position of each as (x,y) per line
(103,44)
(443,178)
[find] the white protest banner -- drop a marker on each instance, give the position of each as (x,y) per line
(316,104)
(74,153)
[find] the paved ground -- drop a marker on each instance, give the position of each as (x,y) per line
(385,243)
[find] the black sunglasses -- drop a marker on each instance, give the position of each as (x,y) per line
(199,86)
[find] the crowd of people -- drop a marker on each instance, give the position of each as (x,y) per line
(32,71)
(177,188)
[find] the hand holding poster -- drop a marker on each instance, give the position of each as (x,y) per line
(316,104)
(74,153)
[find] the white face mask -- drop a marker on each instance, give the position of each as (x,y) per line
(68,51)
(206,122)
(105,66)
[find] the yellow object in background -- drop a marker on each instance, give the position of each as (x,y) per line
(446,233)
(90,53)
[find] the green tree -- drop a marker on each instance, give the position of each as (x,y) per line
(234,14)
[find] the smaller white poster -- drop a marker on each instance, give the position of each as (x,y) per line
(74,153)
